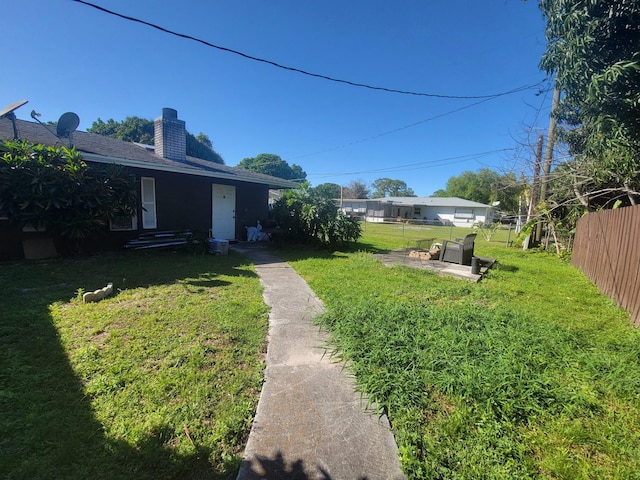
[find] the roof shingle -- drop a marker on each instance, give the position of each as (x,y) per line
(100,148)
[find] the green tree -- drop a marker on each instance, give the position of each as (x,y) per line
(387,187)
(54,187)
(200,147)
(271,164)
(136,129)
(309,218)
(131,129)
(485,186)
(204,139)
(477,187)
(328,190)
(593,49)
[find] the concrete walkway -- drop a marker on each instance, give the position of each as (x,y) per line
(310,423)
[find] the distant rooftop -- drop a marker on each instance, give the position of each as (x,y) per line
(423,201)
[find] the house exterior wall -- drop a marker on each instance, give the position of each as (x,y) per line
(375,212)
(182,202)
(459,216)
(379,211)
(178,189)
(185,202)
(252,204)
(353,207)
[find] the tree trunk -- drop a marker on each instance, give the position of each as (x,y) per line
(582,198)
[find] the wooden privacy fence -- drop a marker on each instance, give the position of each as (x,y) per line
(607,250)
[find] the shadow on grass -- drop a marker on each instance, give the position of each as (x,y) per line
(506,267)
(301,252)
(367,247)
(206,280)
(48,428)
(172,267)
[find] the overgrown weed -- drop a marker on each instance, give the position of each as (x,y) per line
(530,373)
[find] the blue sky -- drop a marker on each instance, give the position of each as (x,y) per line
(65,56)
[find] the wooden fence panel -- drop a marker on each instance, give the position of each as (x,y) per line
(607,250)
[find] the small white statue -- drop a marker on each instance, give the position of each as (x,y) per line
(255,234)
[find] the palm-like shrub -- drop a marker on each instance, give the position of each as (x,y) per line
(308,218)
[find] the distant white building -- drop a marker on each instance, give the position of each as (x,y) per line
(431,210)
(356,207)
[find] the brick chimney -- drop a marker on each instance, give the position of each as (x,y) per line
(170,136)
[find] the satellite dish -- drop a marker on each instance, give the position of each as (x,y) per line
(67,124)
(7,112)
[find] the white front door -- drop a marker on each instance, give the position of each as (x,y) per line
(223,221)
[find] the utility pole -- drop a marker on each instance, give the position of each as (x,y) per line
(548,155)
(535,189)
(536,177)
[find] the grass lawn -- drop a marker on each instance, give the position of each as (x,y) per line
(159,381)
(531,373)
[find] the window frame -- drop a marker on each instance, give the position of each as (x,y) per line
(116,228)
(148,201)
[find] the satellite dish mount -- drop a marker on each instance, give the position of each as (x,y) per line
(7,112)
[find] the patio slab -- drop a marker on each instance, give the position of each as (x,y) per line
(402,257)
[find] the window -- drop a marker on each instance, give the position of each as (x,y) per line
(123,224)
(464,213)
(417,210)
(148,191)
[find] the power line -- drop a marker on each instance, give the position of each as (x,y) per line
(546,91)
(395,130)
(389,132)
(418,165)
(304,72)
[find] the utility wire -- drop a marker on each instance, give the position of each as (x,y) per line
(304,72)
(398,129)
(389,132)
(419,165)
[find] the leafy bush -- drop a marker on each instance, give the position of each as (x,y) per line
(309,218)
(55,188)
(488,230)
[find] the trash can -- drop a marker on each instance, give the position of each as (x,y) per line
(218,245)
(475,265)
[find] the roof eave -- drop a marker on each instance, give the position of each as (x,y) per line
(93,157)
